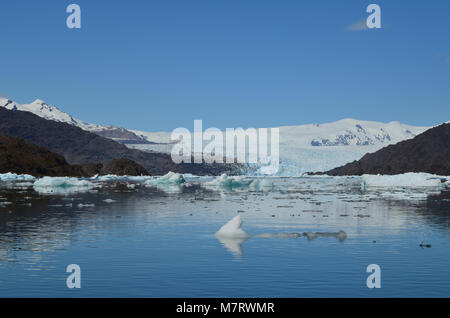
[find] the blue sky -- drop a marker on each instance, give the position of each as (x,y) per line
(157,65)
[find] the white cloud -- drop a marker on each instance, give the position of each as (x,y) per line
(360,25)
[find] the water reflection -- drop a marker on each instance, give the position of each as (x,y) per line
(157,226)
(234,245)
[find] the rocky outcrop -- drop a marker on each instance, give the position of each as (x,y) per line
(21,157)
(123,167)
(428,152)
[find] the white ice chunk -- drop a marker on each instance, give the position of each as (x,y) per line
(62,185)
(87,205)
(232,229)
(15,177)
(414,180)
(113,177)
(226,182)
(170,178)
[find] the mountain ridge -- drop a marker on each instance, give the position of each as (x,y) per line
(82,147)
(428,152)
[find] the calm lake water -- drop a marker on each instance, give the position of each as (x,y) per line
(159,242)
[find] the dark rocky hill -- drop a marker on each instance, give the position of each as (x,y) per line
(428,152)
(123,166)
(82,147)
(21,157)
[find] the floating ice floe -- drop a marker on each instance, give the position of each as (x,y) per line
(408,180)
(109,201)
(15,177)
(170,183)
(87,205)
(62,185)
(113,177)
(170,178)
(262,184)
(341,235)
(228,183)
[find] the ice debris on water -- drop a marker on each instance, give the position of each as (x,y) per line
(87,205)
(113,177)
(341,235)
(232,231)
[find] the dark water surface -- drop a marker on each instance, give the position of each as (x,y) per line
(154,242)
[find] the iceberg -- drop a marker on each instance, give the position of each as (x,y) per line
(171,178)
(113,177)
(16,177)
(229,183)
(62,185)
(232,229)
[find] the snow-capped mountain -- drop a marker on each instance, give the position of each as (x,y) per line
(349,132)
(345,132)
(313,147)
(51,112)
